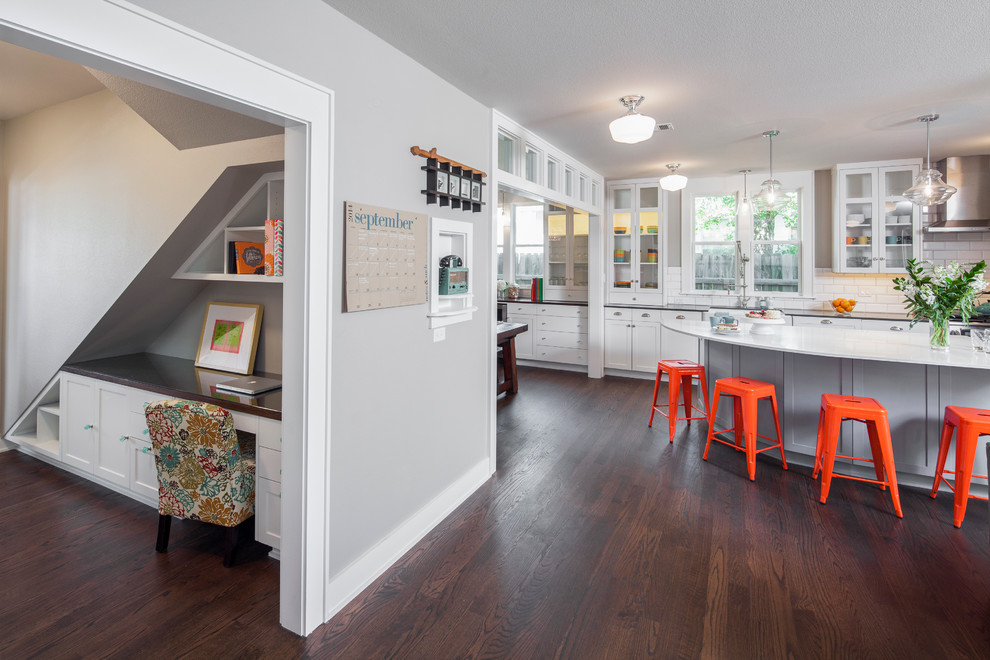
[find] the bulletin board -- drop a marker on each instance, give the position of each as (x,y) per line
(385,257)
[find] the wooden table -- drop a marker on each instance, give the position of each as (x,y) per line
(507,342)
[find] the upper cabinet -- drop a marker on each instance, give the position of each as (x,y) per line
(567,254)
(243,227)
(875,229)
(634,249)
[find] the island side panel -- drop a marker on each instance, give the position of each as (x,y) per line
(969,388)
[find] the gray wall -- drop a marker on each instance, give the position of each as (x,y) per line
(823,219)
(93,192)
(396,443)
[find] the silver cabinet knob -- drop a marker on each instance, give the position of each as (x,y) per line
(826,322)
(896,328)
(681,317)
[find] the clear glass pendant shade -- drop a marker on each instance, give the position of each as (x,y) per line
(632,128)
(929,189)
(770,198)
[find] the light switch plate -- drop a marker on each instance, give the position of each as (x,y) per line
(439,334)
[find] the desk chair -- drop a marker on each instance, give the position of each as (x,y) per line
(203,473)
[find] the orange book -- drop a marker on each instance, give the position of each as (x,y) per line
(250,258)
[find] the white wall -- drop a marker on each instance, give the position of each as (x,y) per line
(93,192)
(409,416)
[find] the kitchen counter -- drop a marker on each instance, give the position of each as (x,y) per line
(905,347)
(913,382)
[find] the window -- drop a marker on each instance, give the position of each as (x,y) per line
(502,239)
(527,221)
(553,173)
(731,247)
(568,181)
(533,158)
(508,146)
(583,188)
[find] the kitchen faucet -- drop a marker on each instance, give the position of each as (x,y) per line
(743,260)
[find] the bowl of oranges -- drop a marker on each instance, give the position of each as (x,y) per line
(843,306)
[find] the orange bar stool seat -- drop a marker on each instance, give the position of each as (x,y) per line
(969,424)
(679,375)
(836,408)
(746,393)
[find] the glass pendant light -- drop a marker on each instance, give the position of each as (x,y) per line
(632,127)
(673,181)
(744,205)
(771,196)
(928,188)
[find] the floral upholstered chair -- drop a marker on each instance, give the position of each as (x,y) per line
(203,473)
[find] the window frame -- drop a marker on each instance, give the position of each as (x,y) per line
(800,182)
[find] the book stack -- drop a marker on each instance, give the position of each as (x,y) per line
(274,242)
(537,293)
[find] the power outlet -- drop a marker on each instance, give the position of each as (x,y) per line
(439,334)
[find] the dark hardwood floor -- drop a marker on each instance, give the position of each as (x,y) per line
(596,538)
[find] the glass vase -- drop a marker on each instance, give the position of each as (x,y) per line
(938,334)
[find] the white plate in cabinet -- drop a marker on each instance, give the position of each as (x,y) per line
(268,512)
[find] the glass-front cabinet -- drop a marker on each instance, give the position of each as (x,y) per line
(634,243)
(567,253)
(875,229)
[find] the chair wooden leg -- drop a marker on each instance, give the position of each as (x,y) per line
(164,526)
(230,546)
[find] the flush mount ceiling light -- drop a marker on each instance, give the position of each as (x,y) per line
(673,181)
(632,127)
(771,196)
(928,188)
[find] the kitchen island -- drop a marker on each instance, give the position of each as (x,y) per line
(913,382)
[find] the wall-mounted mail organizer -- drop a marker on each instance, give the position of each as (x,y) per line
(450,183)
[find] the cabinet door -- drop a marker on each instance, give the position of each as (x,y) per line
(524,340)
(617,344)
(647,228)
(645,345)
(558,253)
(79,431)
(855,220)
(111,435)
(676,345)
(899,229)
(143,480)
(268,512)
(620,240)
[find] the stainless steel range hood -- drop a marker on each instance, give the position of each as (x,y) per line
(969,208)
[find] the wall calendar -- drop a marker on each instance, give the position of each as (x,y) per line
(384,256)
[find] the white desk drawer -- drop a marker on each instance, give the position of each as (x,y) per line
(270,433)
(269,464)
(573,311)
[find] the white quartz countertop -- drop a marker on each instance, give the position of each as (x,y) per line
(880,345)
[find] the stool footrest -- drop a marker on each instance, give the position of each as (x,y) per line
(733,445)
(836,475)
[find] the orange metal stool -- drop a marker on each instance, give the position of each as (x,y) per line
(971,424)
(835,408)
(679,375)
(746,393)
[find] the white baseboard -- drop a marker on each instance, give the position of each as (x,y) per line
(351,581)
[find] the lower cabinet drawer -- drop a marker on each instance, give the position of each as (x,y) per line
(269,465)
(558,354)
(268,512)
(561,339)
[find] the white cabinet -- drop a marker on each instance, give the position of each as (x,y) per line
(677,345)
(557,333)
(567,254)
(893,326)
(830,322)
(634,243)
(875,229)
(268,485)
(78,422)
(632,339)
(143,476)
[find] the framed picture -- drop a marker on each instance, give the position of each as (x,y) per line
(442,183)
(455,185)
(475,191)
(465,188)
(229,339)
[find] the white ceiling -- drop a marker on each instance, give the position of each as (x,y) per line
(30,81)
(842,80)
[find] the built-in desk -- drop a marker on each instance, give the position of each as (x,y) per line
(90,421)
(180,379)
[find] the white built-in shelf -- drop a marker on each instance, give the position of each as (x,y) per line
(38,427)
(244,222)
